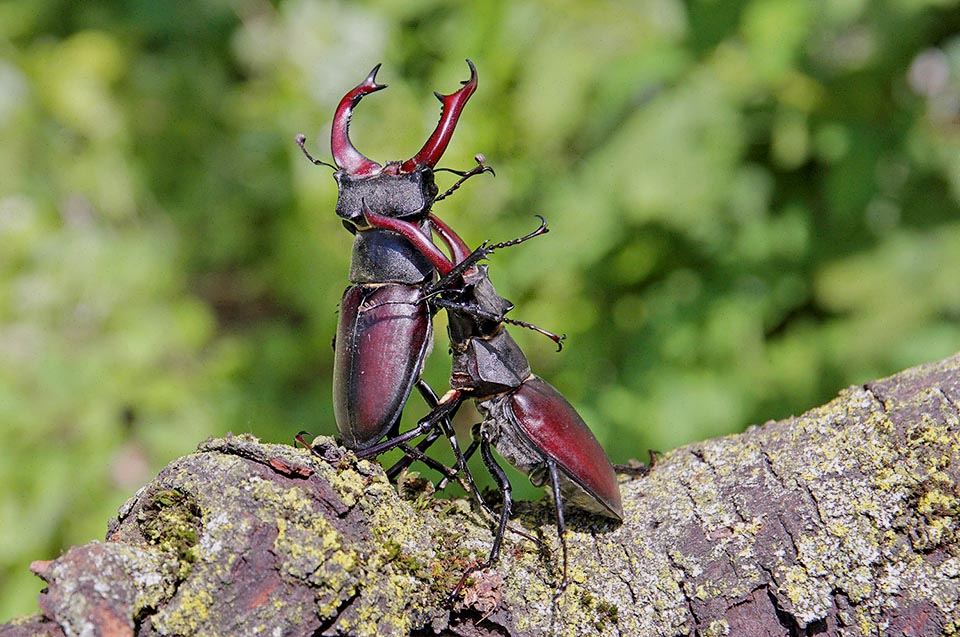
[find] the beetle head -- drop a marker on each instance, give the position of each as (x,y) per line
(397,189)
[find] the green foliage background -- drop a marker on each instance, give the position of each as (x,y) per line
(753,204)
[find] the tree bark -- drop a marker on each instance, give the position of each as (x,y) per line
(842,521)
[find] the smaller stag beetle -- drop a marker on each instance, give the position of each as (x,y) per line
(528,421)
(384,332)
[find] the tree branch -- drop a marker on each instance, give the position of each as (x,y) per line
(842,521)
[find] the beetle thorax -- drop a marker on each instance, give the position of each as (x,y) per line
(488,366)
(381,256)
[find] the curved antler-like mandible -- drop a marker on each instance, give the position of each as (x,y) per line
(347,157)
(449,114)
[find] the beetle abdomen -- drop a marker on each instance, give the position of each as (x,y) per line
(555,427)
(383,335)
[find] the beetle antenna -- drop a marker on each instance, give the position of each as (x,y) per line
(543,229)
(530,326)
(476,311)
(481,253)
(480,168)
(301,142)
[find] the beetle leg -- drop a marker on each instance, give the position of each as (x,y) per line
(462,469)
(462,473)
(450,402)
(403,463)
(430,397)
(482,252)
(561,523)
(503,483)
(415,454)
(467,481)
(475,310)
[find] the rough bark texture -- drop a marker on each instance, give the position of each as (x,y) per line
(842,521)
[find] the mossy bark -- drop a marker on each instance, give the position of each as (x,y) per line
(842,521)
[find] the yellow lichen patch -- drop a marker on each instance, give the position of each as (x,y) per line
(702,592)
(349,485)
(189,615)
(838,529)
(859,584)
(866,623)
(937,502)
(750,527)
(809,596)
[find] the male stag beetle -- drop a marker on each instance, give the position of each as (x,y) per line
(528,421)
(384,331)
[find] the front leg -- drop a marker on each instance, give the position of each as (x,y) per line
(447,405)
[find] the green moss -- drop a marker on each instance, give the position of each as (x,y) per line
(610,610)
(171,521)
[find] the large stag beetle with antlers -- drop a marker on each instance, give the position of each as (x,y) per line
(384,331)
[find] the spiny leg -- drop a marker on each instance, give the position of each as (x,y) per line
(561,523)
(503,483)
(449,403)
(416,454)
(430,397)
(403,463)
(436,465)
(463,474)
(448,279)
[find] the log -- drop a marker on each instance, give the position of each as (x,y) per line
(842,521)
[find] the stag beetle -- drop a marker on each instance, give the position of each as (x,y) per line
(529,422)
(384,332)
